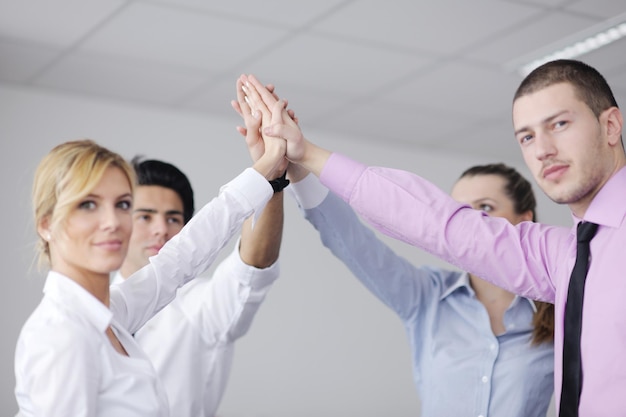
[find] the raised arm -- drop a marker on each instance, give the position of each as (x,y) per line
(193,250)
(406,207)
(260,240)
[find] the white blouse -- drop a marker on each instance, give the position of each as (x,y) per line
(191,342)
(65,364)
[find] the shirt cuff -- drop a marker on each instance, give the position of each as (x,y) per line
(309,192)
(340,175)
(251,189)
(251,276)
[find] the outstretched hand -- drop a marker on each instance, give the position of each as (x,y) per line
(268,153)
(277,123)
(251,130)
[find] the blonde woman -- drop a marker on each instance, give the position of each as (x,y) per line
(75,355)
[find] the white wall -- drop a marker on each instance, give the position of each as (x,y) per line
(320,345)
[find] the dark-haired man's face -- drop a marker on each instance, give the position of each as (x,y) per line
(157,217)
(564,145)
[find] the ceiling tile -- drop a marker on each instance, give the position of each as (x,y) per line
(19,61)
(461,89)
(608,60)
(427,73)
(214,98)
(384,121)
(285,12)
(167,35)
(601,8)
(309,104)
(525,39)
(334,66)
(118,78)
(59,22)
(440,27)
(544,3)
(493,139)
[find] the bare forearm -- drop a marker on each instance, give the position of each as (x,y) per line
(313,158)
(260,246)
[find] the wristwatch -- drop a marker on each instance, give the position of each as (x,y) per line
(279,183)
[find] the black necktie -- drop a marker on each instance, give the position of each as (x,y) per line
(572,369)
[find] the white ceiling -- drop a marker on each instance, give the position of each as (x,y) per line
(407,72)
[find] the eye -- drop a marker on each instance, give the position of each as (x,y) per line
(560,124)
(144,217)
(525,138)
(486,208)
(174,220)
(87,205)
(125,205)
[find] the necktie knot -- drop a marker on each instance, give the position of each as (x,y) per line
(586,231)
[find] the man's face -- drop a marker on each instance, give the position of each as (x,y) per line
(157,217)
(563,144)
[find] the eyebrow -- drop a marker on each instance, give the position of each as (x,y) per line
(484,200)
(126,195)
(153,211)
(544,121)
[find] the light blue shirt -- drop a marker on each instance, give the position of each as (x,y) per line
(534,260)
(460,367)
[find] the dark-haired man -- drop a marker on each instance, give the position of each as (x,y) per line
(191,341)
(569,129)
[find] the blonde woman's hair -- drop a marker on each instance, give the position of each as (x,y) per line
(68,173)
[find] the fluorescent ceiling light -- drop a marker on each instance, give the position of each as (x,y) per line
(573,46)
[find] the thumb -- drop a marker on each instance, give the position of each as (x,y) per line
(277,112)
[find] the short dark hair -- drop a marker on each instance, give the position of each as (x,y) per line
(163,174)
(517,188)
(589,85)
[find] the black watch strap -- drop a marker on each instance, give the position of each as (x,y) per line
(279,183)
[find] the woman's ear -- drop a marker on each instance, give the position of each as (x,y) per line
(527,216)
(43,228)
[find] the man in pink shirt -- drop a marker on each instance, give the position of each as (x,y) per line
(569,128)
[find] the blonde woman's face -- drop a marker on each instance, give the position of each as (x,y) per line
(487,193)
(94,238)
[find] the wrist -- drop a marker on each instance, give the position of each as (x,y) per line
(279,184)
(267,164)
(314,158)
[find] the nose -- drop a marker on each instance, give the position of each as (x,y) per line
(159,227)
(544,146)
(111,218)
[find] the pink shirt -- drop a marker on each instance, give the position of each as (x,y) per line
(529,259)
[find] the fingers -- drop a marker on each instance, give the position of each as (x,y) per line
(242,131)
(268,97)
(277,112)
(235,105)
(252,96)
(241,97)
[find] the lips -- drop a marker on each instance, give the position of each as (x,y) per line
(154,248)
(554,172)
(111,245)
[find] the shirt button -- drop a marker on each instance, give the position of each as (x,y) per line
(481,415)
(492,346)
(484,379)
